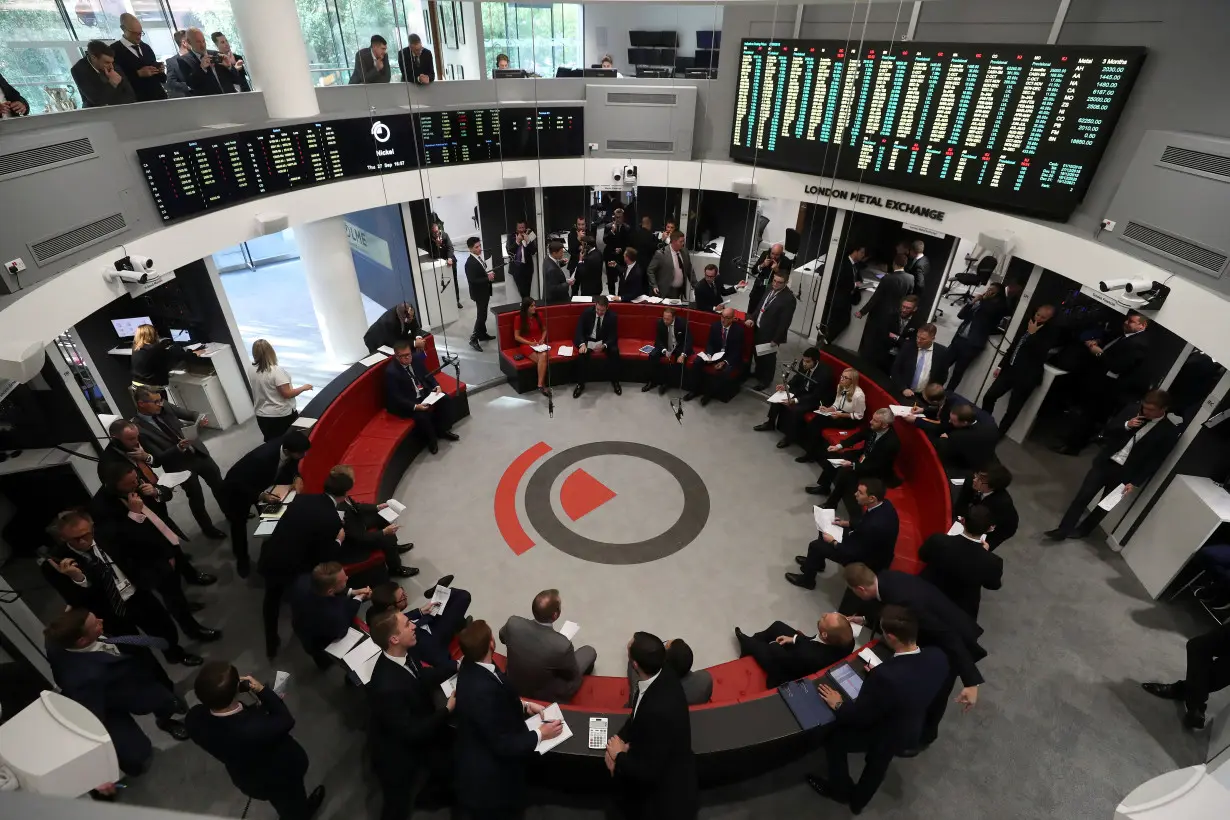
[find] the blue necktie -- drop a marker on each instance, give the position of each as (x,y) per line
(918,369)
(136,640)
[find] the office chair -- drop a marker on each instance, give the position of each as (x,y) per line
(973,278)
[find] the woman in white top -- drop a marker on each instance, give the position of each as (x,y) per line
(847,412)
(273,395)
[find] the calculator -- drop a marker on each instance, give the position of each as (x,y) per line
(597,732)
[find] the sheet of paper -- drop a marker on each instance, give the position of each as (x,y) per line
(265,528)
(565,351)
(1112,499)
(396,505)
(780,397)
(385,349)
(172,480)
(540,348)
(596,346)
(339,648)
(824,522)
(716,357)
(647,349)
(583,299)
(672,302)
(654,300)
(441,597)
(388,514)
(303,423)
(873,660)
(901,410)
(957,482)
(449,686)
(765,349)
(362,659)
(552,712)
(957,528)
(857,629)
(433,397)
(639,299)
(570,629)
(375,358)
(280,681)
(837,462)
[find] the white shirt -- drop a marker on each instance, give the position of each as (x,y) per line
(125,587)
(135,48)
(916,650)
(1121,457)
(99,646)
(267,401)
(856,405)
(401,661)
(593,333)
(480,259)
(642,686)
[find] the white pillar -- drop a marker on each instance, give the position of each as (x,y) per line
(334,287)
(276,56)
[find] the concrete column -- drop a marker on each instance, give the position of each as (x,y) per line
(334,287)
(276,56)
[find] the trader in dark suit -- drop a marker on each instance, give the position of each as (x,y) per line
(844,294)
(1137,441)
(645,240)
(440,246)
(888,716)
(961,566)
(919,266)
(273,464)
(941,623)
(579,232)
(395,324)
(12,103)
(416,63)
(979,319)
(670,269)
(810,387)
(177,70)
(322,608)
(672,344)
(1110,375)
(709,292)
(436,626)
(697,684)
(1208,670)
(98,79)
(969,443)
(586,267)
(772,261)
(651,756)
(988,488)
(408,384)
(115,677)
(881,310)
(493,743)
(725,337)
(631,276)
(883,335)
(876,459)
(769,320)
(253,742)
(138,62)
(366,529)
(597,332)
(522,247)
(555,284)
(871,540)
(371,64)
(408,731)
(479,280)
(161,436)
(542,663)
(232,60)
(616,238)
(206,72)
(1020,371)
(786,654)
(920,362)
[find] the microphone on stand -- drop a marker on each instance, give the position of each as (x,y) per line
(677,406)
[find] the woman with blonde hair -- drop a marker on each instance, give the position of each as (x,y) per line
(847,412)
(153,358)
(273,395)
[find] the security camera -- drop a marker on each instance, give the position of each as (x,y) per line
(134,262)
(1139,285)
(1113,284)
(617,174)
(133,270)
(630,173)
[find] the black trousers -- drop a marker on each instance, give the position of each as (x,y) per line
(1099,398)
(709,382)
(585,364)
(236,508)
(838,321)
(819,551)
(963,354)
(171,589)
(145,612)
(1021,391)
(841,743)
(433,641)
(1103,476)
(613,275)
(271,608)
(1208,667)
(436,419)
(480,317)
(523,278)
(773,659)
(272,427)
(787,420)
(664,370)
(765,367)
(203,468)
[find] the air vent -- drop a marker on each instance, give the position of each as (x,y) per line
(1205,260)
(45,157)
(54,247)
(641,146)
(640,98)
(1203,163)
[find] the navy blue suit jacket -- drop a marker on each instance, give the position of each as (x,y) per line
(610,328)
(734,343)
(892,705)
(399,387)
(305,536)
(259,469)
(493,744)
(873,540)
(941,623)
(319,620)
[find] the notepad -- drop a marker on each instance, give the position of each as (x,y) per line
(449,686)
(433,397)
(654,300)
(901,411)
(386,350)
(825,519)
(265,528)
(565,351)
(672,302)
(867,654)
(173,480)
(639,299)
(837,462)
(441,597)
(583,299)
(570,629)
(765,349)
(340,647)
(303,423)
(780,397)
(715,357)
(375,358)
(540,348)
(1112,498)
(393,510)
(362,659)
(957,482)
(957,528)
(552,712)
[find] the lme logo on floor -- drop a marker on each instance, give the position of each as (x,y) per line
(580,494)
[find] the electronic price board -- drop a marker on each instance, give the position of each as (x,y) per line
(1012,127)
(459,137)
(541,133)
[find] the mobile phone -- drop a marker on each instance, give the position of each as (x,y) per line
(597,732)
(245,686)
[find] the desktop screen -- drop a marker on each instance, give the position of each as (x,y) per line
(127,328)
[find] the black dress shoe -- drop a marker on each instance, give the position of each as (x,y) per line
(824,788)
(181,706)
(213,532)
(315,799)
(691,394)
(404,548)
(646,387)
(1193,719)
(1167,691)
(763,426)
(916,751)
(446,581)
(1067,450)
(762,386)
(662,390)
(1056,534)
(816,489)
(486,337)
(433,447)
(201,579)
(172,727)
(577,391)
(206,635)
(460,306)
(474,344)
(187,659)
(705,401)
(801,560)
(742,639)
(800,580)
(404,572)
(619,391)
(784,443)
(449,435)
(806,458)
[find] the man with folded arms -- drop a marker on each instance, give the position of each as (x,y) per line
(542,663)
(810,387)
(597,332)
(872,539)
(786,654)
(672,343)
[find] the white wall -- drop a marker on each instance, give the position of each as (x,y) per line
(607,26)
(782,214)
(467,55)
(457,213)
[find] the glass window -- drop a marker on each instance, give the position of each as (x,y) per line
(327,59)
(37,52)
(207,15)
(536,38)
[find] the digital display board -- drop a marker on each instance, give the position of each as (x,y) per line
(1012,127)
(459,137)
(542,133)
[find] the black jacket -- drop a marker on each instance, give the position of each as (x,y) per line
(796,660)
(646,244)
(708,296)
(657,775)
(979,319)
(885,301)
(258,470)
(920,269)
(1149,451)
(138,548)
(96,91)
(217,79)
(152,363)
(609,330)
(961,569)
(305,536)
(365,70)
(588,272)
(845,286)
(1122,362)
(968,448)
(774,324)
(493,744)
(907,358)
(1004,516)
(144,88)
(529,252)
(817,389)
(878,346)
(411,67)
(734,343)
(615,242)
(255,745)
(762,274)
(400,395)
(554,281)
(873,540)
(632,282)
(364,528)
(682,333)
(877,457)
(389,329)
(476,278)
(406,728)
(892,705)
(11,94)
(319,620)
(941,623)
(92,597)
(1029,352)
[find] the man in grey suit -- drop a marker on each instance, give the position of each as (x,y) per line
(542,664)
(670,270)
(555,282)
(697,686)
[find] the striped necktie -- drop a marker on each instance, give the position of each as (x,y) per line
(102,569)
(147,641)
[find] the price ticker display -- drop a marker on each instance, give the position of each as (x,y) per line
(542,133)
(1012,127)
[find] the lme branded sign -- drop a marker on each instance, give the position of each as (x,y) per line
(870,199)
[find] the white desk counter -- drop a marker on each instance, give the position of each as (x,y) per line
(1180,523)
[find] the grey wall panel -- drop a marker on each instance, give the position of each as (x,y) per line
(986,21)
(871,22)
(648,122)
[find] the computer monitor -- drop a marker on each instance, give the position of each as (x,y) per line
(127,328)
(569,72)
(655,72)
(600,72)
(508,73)
(700,73)
(180,335)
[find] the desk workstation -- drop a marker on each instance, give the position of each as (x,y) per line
(213,384)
